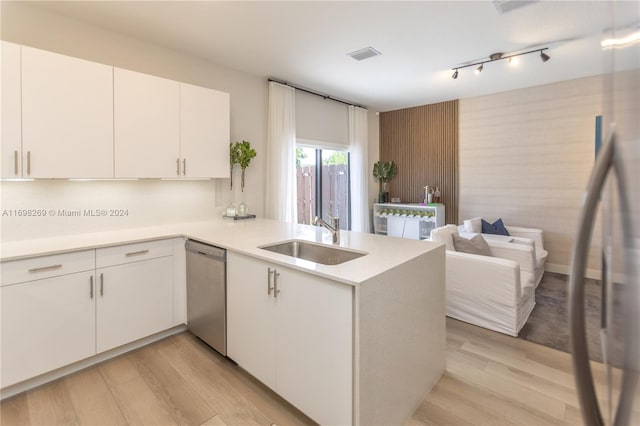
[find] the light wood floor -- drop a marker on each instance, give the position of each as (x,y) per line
(490,379)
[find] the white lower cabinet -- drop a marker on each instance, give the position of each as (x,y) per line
(135,292)
(294,332)
(60,309)
(48,314)
(135,300)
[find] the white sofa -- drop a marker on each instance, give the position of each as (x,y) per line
(518,235)
(493,292)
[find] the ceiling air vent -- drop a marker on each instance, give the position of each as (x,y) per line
(366,53)
(504,6)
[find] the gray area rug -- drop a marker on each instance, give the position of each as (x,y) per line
(548,324)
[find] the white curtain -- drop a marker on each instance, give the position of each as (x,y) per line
(280,194)
(358,147)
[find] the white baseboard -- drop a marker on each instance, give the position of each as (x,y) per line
(595,274)
(12,390)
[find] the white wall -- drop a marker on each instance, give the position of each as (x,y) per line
(373,121)
(145,203)
(526,156)
(154,202)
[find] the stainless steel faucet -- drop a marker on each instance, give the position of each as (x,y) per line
(334,228)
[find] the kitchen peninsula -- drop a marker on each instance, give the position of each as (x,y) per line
(365,354)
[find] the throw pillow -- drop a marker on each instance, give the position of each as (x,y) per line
(473,225)
(496,228)
(475,245)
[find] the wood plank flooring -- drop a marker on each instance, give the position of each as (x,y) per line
(490,379)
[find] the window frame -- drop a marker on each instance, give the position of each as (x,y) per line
(318,147)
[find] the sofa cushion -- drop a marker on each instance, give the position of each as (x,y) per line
(473,225)
(475,245)
(444,234)
(496,228)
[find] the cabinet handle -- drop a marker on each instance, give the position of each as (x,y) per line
(136,253)
(91,286)
(45,268)
(184,166)
(15,161)
(28,162)
(269,288)
(101,284)
(276,274)
(178,166)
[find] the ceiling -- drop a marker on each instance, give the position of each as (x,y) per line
(306,42)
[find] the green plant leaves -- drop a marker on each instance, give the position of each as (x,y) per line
(241,153)
(384,172)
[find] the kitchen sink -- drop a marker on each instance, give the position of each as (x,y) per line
(318,253)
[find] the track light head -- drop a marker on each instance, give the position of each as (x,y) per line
(478,70)
(544,56)
(455,74)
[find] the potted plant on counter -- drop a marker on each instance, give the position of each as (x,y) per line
(240,153)
(383,173)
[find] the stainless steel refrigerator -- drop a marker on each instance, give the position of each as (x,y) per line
(614,193)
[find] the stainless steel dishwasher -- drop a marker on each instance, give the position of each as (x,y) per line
(207,294)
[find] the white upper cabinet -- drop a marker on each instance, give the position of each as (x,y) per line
(204,132)
(11,128)
(147,125)
(67,116)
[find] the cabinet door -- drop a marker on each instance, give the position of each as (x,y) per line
(204,132)
(46,324)
(67,116)
(250,318)
(314,346)
(11,98)
(146,122)
(395,226)
(134,300)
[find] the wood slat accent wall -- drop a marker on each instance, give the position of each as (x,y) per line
(423,141)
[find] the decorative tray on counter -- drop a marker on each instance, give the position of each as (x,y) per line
(238,217)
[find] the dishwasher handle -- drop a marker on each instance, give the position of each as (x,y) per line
(206,250)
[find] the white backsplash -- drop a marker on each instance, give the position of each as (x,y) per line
(47,208)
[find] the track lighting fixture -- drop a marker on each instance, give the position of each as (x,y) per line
(544,56)
(513,59)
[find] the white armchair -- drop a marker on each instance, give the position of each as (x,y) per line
(526,236)
(491,292)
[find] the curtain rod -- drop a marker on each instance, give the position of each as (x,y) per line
(316,93)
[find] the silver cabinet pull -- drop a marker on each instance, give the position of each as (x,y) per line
(45,268)
(15,161)
(184,166)
(28,162)
(136,253)
(269,272)
(178,166)
(276,274)
(91,286)
(101,284)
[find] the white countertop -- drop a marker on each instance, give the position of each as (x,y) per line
(245,236)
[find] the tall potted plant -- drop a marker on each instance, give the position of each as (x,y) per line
(383,173)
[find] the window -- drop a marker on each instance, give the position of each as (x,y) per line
(322,182)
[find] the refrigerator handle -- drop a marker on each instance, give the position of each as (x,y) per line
(584,379)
